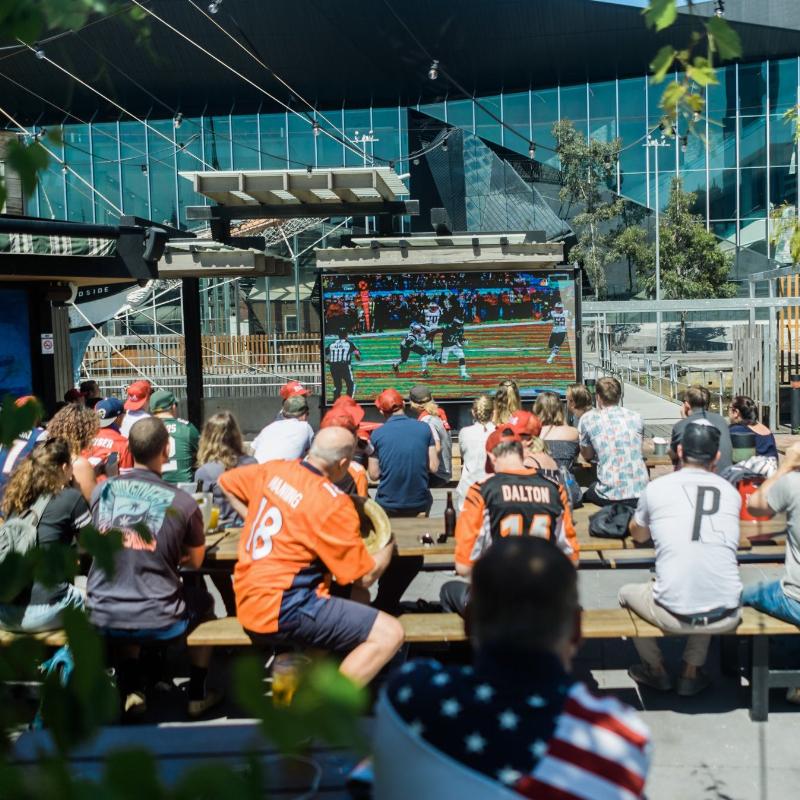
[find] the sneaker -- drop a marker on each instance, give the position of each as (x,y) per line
(645,676)
(197,708)
(688,687)
(551,359)
(135,704)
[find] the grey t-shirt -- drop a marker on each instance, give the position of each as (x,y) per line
(719,422)
(784,495)
(145,590)
(445,471)
(207,477)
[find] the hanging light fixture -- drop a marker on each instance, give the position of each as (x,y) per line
(684,144)
(444,145)
(178,120)
(531,150)
(433,72)
(316,128)
(308,171)
(64,167)
(415,162)
(213,6)
(143,168)
(39,53)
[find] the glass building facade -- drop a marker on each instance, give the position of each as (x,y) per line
(744,163)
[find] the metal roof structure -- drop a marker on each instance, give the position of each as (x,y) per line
(355,54)
(201,258)
(339,191)
(449,253)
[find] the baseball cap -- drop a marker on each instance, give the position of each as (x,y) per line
(295,405)
(162,400)
(420,394)
(108,409)
(389,400)
(346,405)
(700,441)
(138,395)
(523,423)
(503,434)
(292,389)
(336,418)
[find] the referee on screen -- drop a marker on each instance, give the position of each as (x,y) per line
(340,356)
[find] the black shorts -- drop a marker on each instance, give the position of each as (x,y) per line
(557,339)
(339,627)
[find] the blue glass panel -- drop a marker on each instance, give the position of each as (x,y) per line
(783,185)
(459,113)
(162,172)
(573,105)
(722,191)
(384,123)
(753,192)
(189,157)
(106,164)
(78,155)
(217,136)
(753,142)
(632,185)
(694,156)
(134,177)
(301,142)
(783,84)
(356,120)
(516,114)
(544,107)
(485,126)
(721,98)
(695,181)
(435,110)
(51,192)
(782,148)
(724,229)
(753,234)
(722,143)
(603,111)
(632,124)
(752,89)
(330,153)
(245,141)
(273,141)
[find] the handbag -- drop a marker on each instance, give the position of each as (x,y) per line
(611,522)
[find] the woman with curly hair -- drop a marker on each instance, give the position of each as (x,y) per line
(220,449)
(45,474)
(77,425)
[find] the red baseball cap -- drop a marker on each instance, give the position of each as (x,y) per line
(346,405)
(292,389)
(388,401)
(336,418)
(505,433)
(523,423)
(138,395)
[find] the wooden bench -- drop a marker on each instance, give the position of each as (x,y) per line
(615,623)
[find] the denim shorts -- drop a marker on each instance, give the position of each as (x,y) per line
(40,617)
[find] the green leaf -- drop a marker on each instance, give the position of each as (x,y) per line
(660,14)
(701,72)
(662,62)
(672,96)
(102,547)
(16,574)
(27,160)
(132,775)
(725,39)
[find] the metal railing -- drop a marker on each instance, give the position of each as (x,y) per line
(668,380)
(233,366)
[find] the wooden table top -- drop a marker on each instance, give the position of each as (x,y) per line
(222,547)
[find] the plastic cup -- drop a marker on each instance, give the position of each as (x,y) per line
(213,518)
(659,446)
(286,671)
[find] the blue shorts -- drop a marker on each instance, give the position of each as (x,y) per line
(339,627)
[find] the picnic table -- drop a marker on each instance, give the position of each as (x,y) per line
(408,532)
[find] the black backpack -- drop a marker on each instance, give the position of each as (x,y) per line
(611,522)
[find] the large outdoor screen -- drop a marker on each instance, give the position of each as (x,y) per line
(460,333)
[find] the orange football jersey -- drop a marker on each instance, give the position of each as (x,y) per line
(299,530)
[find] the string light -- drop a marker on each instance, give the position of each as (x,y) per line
(684,143)
(213,6)
(39,53)
(316,128)
(143,167)
(178,120)
(308,171)
(64,167)
(531,150)
(719,8)
(433,72)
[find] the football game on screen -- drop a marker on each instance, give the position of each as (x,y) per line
(460,333)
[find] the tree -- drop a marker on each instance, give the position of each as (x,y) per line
(692,264)
(586,170)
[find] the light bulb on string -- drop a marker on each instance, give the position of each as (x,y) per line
(39,53)
(178,120)
(213,6)
(308,171)
(316,128)
(433,71)
(531,150)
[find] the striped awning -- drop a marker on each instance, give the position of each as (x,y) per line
(32,244)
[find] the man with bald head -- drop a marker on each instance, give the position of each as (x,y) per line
(299,530)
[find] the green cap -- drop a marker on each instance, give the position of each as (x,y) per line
(161,400)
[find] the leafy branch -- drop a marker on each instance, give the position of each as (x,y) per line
(684,97)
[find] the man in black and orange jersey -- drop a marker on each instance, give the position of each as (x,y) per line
(299,530)
(514,501)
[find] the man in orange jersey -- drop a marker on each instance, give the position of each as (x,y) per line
(514,501)
(299,530)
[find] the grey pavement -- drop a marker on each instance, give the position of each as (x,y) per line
(656,411)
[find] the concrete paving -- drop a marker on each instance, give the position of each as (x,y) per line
(656,411)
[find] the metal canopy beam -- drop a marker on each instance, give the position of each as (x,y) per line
(317,209)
